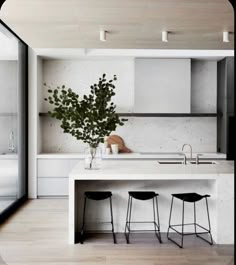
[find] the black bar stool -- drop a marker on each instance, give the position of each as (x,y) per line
(142,195)
(97,196)
(192,198)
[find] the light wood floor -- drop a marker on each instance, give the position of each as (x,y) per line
(37,235)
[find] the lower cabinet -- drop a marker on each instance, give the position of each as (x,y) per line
(53,186)
(53,176)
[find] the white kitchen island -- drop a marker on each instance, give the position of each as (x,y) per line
(121,176)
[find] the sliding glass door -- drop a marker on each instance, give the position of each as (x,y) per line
(13,121)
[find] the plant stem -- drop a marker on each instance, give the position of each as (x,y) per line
(93,153)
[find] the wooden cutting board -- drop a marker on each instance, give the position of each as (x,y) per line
(116,139)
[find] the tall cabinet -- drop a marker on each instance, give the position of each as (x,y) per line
(225,107)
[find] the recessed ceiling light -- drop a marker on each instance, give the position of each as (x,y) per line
(103,35)
(225,36)
(164,36)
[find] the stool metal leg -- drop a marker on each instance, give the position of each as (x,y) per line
(158,222)
(209,225)
(126,222)
(154,216)
(195,219)
(83,224)
(182,233)
(170,217)
(211,242)
(112,224)
(130,210)
(182,239)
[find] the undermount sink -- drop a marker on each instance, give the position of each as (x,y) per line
(187,163)
(203,162)
(170,162)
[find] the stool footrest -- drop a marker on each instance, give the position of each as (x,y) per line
(157,231)
(207,230)
(189,234)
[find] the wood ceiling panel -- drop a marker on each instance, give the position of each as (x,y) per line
(131,23)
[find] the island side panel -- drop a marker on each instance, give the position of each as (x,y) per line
(225,209)
(72,211)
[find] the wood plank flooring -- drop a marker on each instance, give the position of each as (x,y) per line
(37,235)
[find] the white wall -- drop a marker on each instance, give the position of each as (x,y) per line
(33,120)
(140,134)
(81,74)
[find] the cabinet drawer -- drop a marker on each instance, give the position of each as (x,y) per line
(53,186)
(55,167)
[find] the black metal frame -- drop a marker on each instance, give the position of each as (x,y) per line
(82,231)
(208,231)
(156,224)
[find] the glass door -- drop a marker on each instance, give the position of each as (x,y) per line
(13,120)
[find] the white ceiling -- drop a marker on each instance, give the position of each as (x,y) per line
(132,24)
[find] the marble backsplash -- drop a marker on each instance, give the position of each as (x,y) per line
(141,135)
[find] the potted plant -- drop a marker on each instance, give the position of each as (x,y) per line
(88,118)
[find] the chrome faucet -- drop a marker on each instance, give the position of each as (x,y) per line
(191,153)
(185,159)
(197,158)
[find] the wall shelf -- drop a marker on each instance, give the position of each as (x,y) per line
(45,114)
(7,114)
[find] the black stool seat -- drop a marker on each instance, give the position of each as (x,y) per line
(190,197)
(98,195)
(143,195)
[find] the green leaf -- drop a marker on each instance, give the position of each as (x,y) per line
(88,118)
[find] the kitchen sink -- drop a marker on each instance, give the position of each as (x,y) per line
(170,162)
(187,163)
(203,162)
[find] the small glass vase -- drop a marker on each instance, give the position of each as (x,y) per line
(92,158)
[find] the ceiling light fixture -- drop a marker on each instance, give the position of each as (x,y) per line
(103,35)
(225,36)
(164,36)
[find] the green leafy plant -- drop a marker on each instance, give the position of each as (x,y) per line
(89,118)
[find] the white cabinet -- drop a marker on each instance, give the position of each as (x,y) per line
(162,86)
(52,187)
(53,176)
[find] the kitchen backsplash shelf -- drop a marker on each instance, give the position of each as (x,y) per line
(7,114)
(45,114)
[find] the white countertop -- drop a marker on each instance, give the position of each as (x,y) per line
(147,155)
(8,156)
(146,169)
